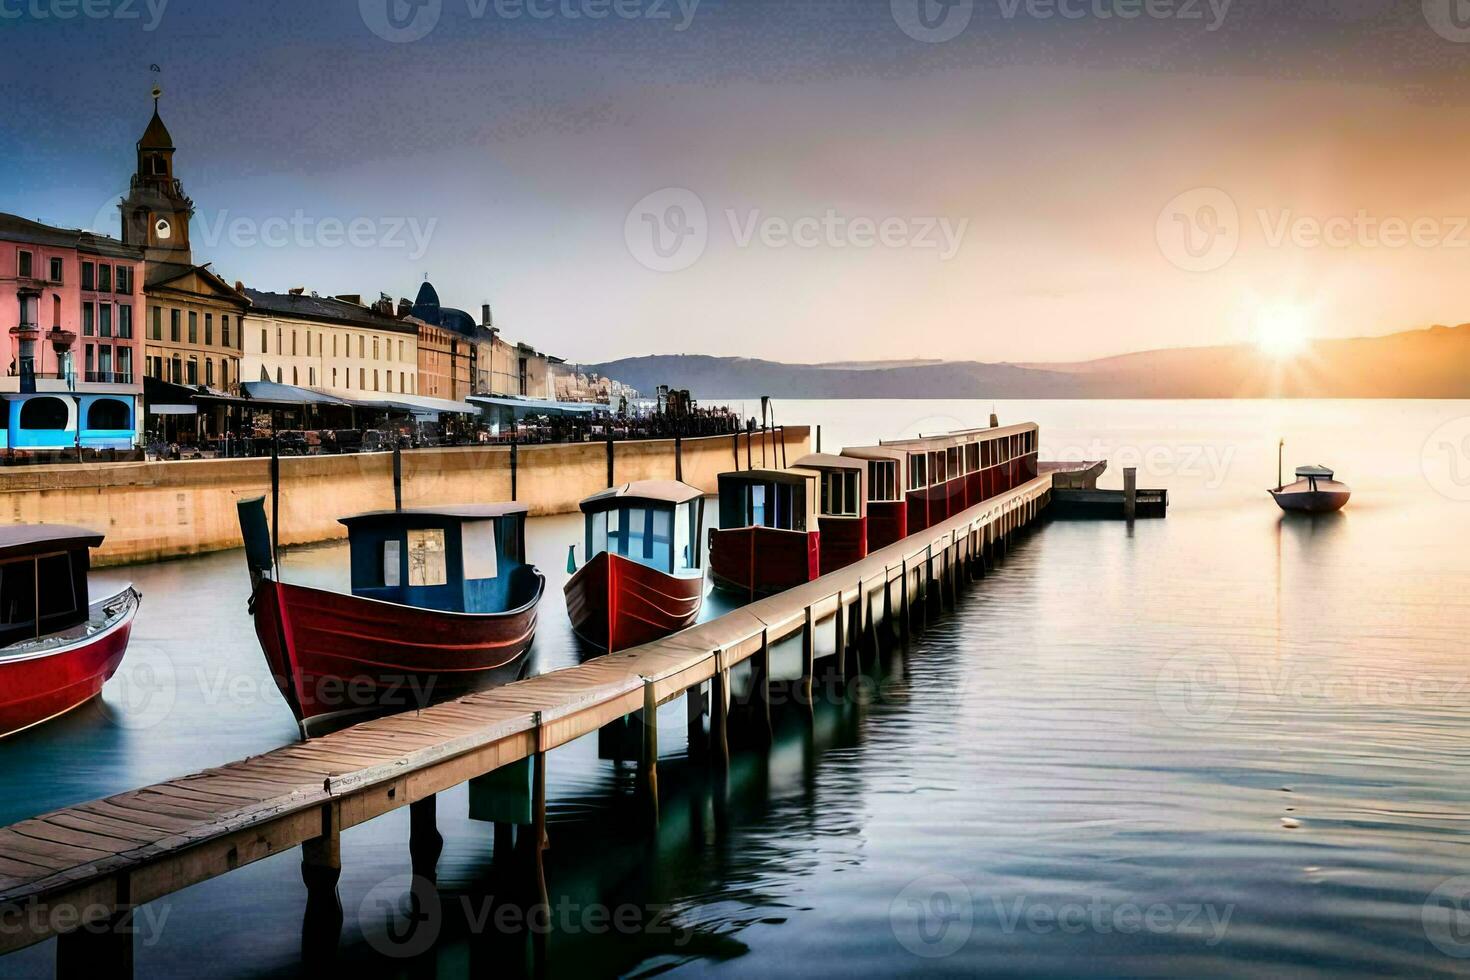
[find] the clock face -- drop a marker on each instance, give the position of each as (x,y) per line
(163,229)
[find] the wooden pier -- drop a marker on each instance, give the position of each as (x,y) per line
(78,873)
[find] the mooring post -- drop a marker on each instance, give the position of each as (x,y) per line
(927,598)
(538,817)
(1130,492)
(679,458)
(839,624)
(321,869)
(887,611)
(99,949)
(514,467)
(610,473)
(808,658)
(760,681)
(648,761)
(905,608)
(695,709)
(425,843)
(719,692)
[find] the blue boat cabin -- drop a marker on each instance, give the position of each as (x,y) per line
(654,522)
(469,559)
(776,498)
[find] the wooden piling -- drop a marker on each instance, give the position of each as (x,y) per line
(1130,492)
(719,693)
(840,631)
(99,949)
(808,657)
(906,610)
(538,818)
(696,708)
(760,665)
(425,843)
(648,760)
(321,869)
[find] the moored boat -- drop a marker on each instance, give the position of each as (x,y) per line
(58,647)
(843,508)
(643,578)
(443,603)
(767,541)
(1314,492)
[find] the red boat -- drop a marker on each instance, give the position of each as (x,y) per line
(57,657)
(763,544)
(643,579)
(442,604)
(844,508)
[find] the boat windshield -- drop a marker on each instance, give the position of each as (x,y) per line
(660,537)
(50,581)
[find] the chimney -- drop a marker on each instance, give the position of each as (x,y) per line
(297,290)
(404,308)
(485,320)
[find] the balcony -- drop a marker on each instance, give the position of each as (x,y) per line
(109,377)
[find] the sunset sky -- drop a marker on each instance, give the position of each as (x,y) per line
(1018,191)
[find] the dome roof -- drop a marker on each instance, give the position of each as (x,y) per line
(156,136)
(426,305)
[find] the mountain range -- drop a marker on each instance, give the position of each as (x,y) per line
(1428,363)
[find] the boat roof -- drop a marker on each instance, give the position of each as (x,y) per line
(642,491)
(773,475)
(880,453)
(960,437)
(828,461)
(1319,471)
(25,540)
(460,512)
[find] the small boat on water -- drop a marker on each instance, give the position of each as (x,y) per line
(443,603)
(643,577)
(57,648)
(1314,492)
(766,542)
(843,509)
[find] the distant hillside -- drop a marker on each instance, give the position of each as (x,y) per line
(1433,363)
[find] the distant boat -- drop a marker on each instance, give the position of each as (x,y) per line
(443,603)
(643,578)
(57,657)
(1314,492)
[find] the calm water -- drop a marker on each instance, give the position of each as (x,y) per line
(1223,743)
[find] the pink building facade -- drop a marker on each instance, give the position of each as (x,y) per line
(70,315)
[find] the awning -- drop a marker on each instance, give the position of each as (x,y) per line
(282,394)
(532,406)
(173,409)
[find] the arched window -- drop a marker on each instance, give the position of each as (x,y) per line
(39,414)
(109,414)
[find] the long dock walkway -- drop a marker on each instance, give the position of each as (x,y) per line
(78,873)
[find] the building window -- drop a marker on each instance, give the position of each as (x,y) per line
(400,350)
(375,349)
(173,326)
(295,377)
(334,345)
(375,379)
(209,371)
(400,382)
(23,264)
(104,364)
(224,372)
(89,319)
(89,275)
(293,343)
(109,415)
(263,348)
(311,376)
(280,345)
(104,319)
(155,331)
(388,379)
(178,370)
(362,346)
(44,414)
(88,362)
(334,377)
(104,278)
(362,379)
(56,270)
(125,279)
(56,312)
(193,327)
(124,321)
(208,329)
(193,372)
(278,375)
(224,332)
(125,365)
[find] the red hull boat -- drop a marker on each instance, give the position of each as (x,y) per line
(338,657)
(43,680)
(442,604)
(643,578)
(616,603)
(763,560)
(56,648)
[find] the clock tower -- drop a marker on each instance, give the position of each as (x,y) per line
(156,212)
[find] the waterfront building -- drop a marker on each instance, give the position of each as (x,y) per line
(443,362)
(192,326)
(333,344)
(71,299)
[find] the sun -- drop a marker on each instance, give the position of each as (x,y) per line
(1282,331)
